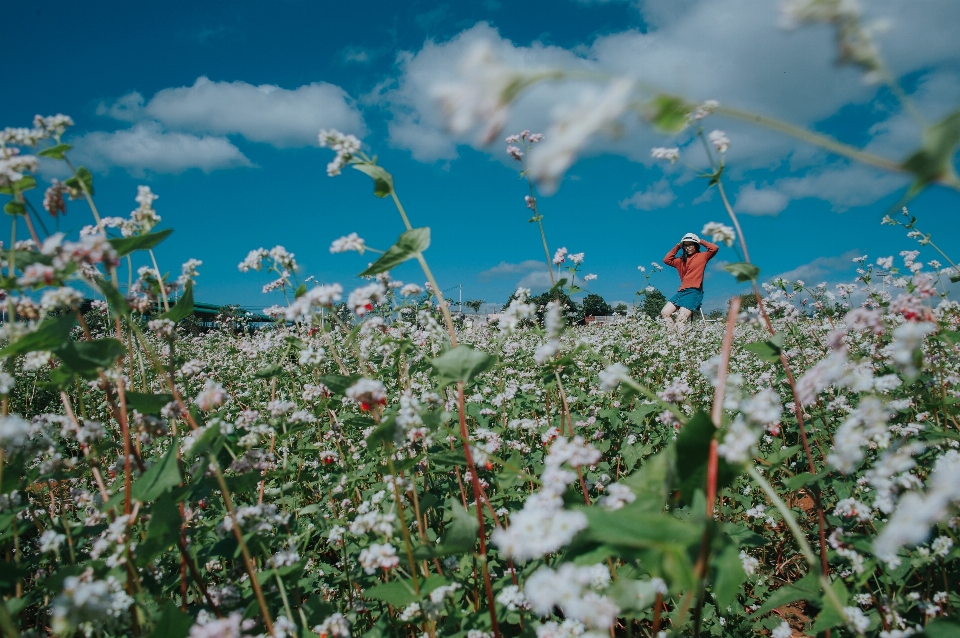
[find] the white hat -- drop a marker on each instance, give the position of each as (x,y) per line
(690,237)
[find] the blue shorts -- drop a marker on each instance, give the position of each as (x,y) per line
(689,298)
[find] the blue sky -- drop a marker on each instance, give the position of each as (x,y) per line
(216,107)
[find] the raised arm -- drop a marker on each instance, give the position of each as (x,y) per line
(671,257)
(712,249)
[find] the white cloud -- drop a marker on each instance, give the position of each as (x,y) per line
(265,113)
(658,195)
(146,147)
(824,269)
(533,274)
(506,269)
(731,51)
(760,201)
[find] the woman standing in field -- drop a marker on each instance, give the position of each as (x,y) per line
(690,264)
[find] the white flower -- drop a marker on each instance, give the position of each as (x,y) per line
(411,290)
(572,589)
(378,557)
(363,299)
(917,512)
(719,233)
(856,619)
(228,627)
(852,508)
(253,260)
(212,396)
(334,626)
(783,630)
(348,242)
(719,141)
(312,356)
(907,340)
(612,375)
(738,442)
(481,95)
(560,256)
(50,541)
(660,152)
(368,393)
(188,271)
(573,127)
(344,145)
(589,277)
(749,563)
(616,496)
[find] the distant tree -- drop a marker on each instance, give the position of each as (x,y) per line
(474,304)
(621,309)
(653,302)
(571,312)
(716,313)
(593,304)
(748,300)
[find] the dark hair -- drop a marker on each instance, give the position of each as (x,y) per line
(683,253)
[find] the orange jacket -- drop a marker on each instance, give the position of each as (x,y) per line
(691,269)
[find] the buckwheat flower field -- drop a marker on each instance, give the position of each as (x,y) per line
(369,464)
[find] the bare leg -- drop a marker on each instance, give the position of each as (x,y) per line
(683,316)
(667,313)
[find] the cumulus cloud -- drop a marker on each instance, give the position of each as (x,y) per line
(760,201)
(733,52)
(824,269)
(530,273)
(658,195)
(265,113)
(146,147)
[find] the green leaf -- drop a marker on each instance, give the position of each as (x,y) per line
(61,378)
(942,628)
(301,291)
(742,271)
(400,592)
(145,403)
(802,479)
(184,306)
(87,358)
(85,176)
(338,383)
(460,535)
(933,160)
(807,588)
(462,363)
(163,530)
(51,335)
(24,258)
(173,623)
(781,455)
(269,371)
(15,208)
(693,451)
(767,350)
(115,300)
(408,246)
(668,113)
(159,477)
(25,183)
(830,616)
(743,536)
(55,152)
(383,433)
(210,440)
(729,576)
(126,245)
(382,180)
(633,527)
